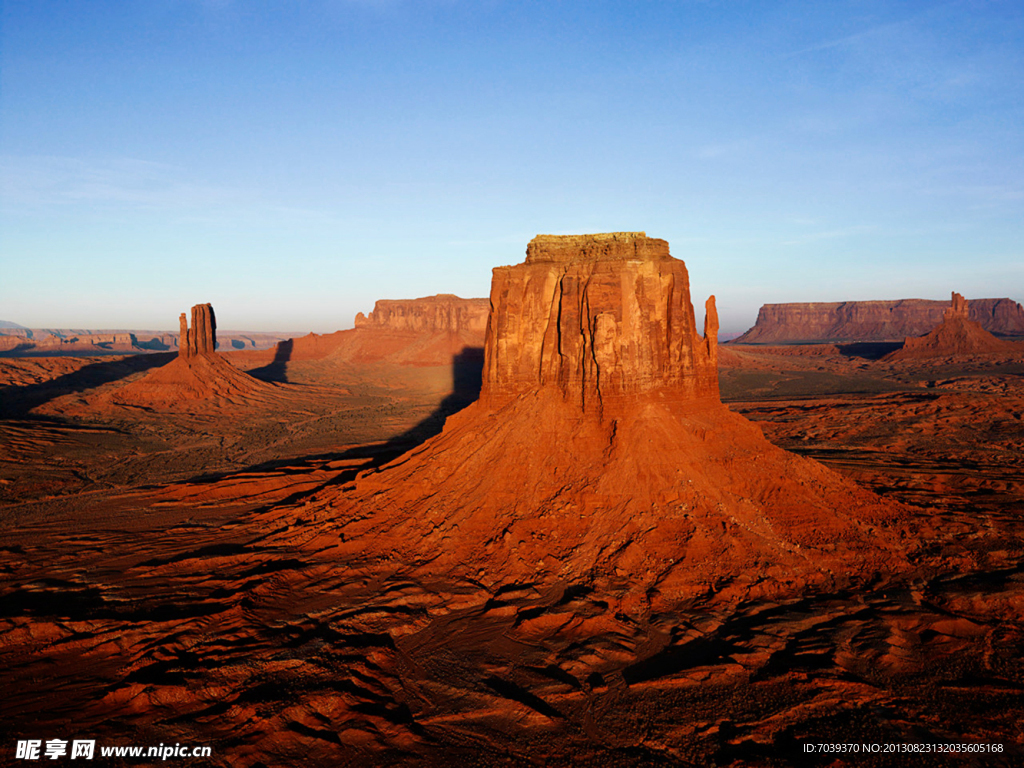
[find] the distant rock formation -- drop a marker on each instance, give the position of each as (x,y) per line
(955,336)
(429,331)
(599,450)
(957,308)
(432,314)
(197,378)
(823,322)
(201,338)
(81,341)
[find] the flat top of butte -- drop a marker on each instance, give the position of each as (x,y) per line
(604,246)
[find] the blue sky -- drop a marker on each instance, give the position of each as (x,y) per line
(291,162)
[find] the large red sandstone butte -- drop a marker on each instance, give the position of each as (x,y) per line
(820,322)
(956,335)
(599,448)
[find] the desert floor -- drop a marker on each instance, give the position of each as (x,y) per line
(147,595)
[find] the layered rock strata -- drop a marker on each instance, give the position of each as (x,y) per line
(821,322)
(600,450)
(429,331)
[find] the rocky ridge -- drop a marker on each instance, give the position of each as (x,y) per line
(429,331)
(442,313)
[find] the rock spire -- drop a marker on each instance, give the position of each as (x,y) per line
(201,338)
(956,336)
(957,307)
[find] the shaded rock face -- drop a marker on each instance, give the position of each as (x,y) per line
(444,312)
(201,338)
(600,318)
(873,320)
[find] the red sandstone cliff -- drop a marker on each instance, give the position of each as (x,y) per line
(431,314)
(955,336)
(599,450)
(201,338)
(873,320)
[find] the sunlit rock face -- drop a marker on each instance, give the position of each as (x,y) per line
(600,317)
(956,336)
(444,312)
(819,322)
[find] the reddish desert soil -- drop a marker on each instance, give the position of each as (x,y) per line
(161,580)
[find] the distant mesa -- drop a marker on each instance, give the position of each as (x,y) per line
(428,331)
(18,341)
(850,321)
(600,450)
(433,314)
(955,336)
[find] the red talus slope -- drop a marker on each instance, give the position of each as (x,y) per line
(600,449)
(956,335)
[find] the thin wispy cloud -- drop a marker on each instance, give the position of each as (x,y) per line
(51,185)
(849,40)
(48,181)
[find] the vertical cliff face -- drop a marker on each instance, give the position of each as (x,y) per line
(957,308)
(201,338)
(600,318)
